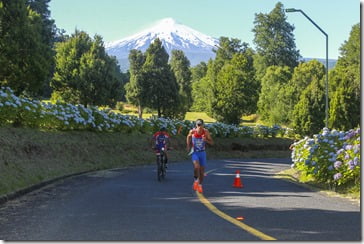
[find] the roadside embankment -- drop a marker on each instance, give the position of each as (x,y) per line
(31,157)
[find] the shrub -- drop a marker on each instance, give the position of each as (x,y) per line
(62,116)
(331,157)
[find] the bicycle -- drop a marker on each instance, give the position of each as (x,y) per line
(161,164)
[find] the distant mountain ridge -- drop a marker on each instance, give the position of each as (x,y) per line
(331,62)
(196,46)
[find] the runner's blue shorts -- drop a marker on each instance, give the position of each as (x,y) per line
(200,157)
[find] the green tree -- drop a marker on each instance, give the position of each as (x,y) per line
(68,56)
(272,103)
(344,115)
(309,112)
(236,89)
(304,74)
(345,85)
(205,93)
(274,40)
(350,50)
(201,89)
(198,72)
(162,87)
(49,33)
(227,48)
(135,89)
(85,74)
(181,68)
(224,53)
(25,55)
(100,77)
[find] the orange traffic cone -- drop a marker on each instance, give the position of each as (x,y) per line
(237,181)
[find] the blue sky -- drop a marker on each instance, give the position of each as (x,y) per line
(116,19)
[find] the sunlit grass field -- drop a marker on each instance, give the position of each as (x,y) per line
(192,116)
(250,120)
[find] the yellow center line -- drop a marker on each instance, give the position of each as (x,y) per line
(241,225)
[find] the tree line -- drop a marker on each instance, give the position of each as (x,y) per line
(37,59)
(157,83)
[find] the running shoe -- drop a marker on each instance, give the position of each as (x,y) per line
(195,185)
(199,188)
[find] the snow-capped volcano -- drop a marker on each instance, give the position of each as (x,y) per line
(196,45)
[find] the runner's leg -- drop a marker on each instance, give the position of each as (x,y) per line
(196,170)
(196,175)
(202,174)
(202,163)
(196,165)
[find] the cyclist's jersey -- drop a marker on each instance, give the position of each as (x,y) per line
(160,138)
(197,141)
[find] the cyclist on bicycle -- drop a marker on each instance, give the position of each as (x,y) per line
(161,139)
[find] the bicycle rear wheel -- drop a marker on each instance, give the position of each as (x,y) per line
(159,169)
(163,167)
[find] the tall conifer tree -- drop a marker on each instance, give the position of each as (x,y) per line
(135,89)
(160,80)
(274,40)
(345,85)
(181,68)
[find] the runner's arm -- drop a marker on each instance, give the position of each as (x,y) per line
(208,137)
(188,140)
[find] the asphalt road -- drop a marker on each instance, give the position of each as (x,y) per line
(131,205)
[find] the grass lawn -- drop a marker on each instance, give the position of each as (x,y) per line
(192,116)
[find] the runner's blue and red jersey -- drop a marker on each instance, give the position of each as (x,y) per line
(197,141)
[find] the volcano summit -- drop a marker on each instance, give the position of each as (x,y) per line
(196,46)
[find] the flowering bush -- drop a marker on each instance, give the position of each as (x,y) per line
(331,157)
(218,129)
(348,159)
(61,116)
(19,111)
(263,131)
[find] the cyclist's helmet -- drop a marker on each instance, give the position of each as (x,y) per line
(163,129)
